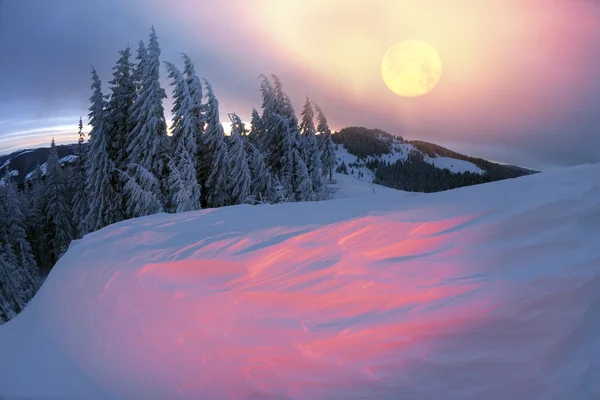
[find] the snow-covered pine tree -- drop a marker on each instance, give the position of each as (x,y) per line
(12,300)
(106,204)
(138,70)
(215,160)
(142,188)
(196,115)
(81,200)
(301,180)
(279,141)
(239,179)
(149,140)
(310,148)
(58,209)
(260,184)
(326,145)
(184,144)
(16,229)
(37,228)
(277,194)
(184,188)
(123,94)
(184,126)
(254,136)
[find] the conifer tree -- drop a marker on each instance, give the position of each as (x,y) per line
(149,140)
(277,192)
(12,300)
(183,185)
(301,180)
(78,186)
(311,153)
(279,141)
(16,237)
(238,182)
(215,158)
(260,184)
(195,114)
(37,227)
(142,190)
(255,134)
(123,94)
(138,70)
(105,205)
(184,122)
(326,145)
(58,209)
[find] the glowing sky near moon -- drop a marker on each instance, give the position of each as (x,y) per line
(520,80)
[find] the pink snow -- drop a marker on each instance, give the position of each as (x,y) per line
(482,292)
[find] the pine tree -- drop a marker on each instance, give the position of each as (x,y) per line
(138,71)
(215,158)
(37,227)
(238,182)
(279,140)
(16,230)
(301,180)
(261,181)
(185,146)
(277,192)
(196,114)
(141,187)
(311,153)
(12,299)
(149,140)
(183,185)
(184,126)
(58,209)
(326,146)
(255,134)
(105,203)
(78,186)
(123,94)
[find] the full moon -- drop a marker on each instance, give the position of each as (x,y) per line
(411,68)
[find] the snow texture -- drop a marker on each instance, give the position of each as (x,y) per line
(483,292)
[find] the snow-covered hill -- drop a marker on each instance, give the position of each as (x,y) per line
(487,291)
(24,161)
(400,152)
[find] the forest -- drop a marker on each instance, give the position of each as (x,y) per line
(133,164)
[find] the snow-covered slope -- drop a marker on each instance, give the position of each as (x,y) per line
(71,158)
(400,151)
(484,292)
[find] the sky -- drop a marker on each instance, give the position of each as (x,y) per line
(520,79)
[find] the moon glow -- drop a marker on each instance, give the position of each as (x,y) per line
(411,68)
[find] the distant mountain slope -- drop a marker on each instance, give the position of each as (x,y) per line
(496,171)
(24,161)
(413,165)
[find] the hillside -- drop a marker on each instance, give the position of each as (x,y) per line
(414,165)
(23,162)
(375,294)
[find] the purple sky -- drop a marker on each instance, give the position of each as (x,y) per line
(520,81)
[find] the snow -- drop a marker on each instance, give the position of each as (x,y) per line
(7,162)
(400,152)
(454,165)
(69,159)
(487,291)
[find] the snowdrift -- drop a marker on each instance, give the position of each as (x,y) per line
(487,292)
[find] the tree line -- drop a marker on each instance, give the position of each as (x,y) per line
(131,167)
